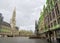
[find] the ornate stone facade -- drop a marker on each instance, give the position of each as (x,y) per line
(13,20)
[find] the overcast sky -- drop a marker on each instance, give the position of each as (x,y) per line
(27,11)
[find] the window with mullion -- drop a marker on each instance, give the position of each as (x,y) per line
(57,10)
(50,16)
(58,20)
(55,23)
(51,25)
(53,14)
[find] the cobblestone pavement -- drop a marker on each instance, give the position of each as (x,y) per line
(22,40)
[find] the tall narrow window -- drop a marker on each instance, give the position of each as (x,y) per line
(51,25)
(55,23)
(57,10)
(59,21)
(48,18)
(48,26)
(53,14)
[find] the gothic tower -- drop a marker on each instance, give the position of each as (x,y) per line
(13,20)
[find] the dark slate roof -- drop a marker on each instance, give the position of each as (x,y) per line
(6,24)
